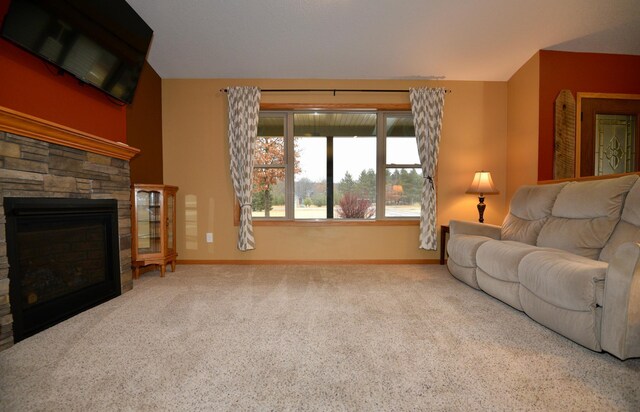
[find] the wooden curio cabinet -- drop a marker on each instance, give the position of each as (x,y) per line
(153,227)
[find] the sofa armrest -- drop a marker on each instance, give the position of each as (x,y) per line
(620,333)
(461,227)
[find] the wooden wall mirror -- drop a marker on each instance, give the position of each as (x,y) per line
(607,134)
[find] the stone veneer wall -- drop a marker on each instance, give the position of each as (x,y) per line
(32,168)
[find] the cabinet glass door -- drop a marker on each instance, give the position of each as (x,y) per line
(171,212)
(148,215)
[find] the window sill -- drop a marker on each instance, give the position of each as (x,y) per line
(336,222)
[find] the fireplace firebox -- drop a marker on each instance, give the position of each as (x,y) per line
(63,259)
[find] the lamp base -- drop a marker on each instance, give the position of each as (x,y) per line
(481,207)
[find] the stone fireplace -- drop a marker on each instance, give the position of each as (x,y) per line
(39,159)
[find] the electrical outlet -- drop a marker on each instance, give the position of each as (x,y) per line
(209,237)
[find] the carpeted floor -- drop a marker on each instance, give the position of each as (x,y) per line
(309,338)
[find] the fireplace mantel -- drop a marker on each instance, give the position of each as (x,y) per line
(30,126)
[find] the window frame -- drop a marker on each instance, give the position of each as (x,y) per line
(285,166)
(333,182)
(382,111)
(383,190)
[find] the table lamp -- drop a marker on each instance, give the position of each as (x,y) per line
(482,185)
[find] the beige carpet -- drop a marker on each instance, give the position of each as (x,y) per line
(309,338)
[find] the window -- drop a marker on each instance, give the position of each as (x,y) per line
(403,174)
(337,154)
(313,165)
(270,165)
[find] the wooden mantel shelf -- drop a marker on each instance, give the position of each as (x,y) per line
(26,125)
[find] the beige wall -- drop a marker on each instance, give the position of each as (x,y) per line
(523,125)
(196,159)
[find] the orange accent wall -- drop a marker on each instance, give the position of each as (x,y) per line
(578,72)
(31,86)
(144,128)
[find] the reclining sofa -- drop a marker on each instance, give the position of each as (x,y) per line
(568,255)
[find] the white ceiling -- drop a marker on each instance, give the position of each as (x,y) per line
(377,39)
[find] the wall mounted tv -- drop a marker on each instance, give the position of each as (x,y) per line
(101,42)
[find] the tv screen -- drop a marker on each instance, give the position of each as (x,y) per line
(101,42)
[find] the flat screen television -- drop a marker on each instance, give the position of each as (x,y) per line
(101,42)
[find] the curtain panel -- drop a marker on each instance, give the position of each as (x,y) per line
(244,106)
(427,105)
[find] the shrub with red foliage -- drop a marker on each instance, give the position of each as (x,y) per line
(353,207)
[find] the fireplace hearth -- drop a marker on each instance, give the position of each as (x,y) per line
(63,258)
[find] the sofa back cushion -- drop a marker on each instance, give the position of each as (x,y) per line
(529,209)
(628,229)
(584,215)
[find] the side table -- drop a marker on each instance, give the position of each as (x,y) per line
(444,230)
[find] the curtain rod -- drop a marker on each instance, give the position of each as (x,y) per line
(336,90)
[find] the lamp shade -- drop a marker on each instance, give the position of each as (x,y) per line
(482,184)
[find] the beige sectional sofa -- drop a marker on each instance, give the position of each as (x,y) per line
(568,255)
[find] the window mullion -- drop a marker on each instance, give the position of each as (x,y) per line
(290,167)
(330,177)
(381,158)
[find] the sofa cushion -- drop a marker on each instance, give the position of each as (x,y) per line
(462,248)
(500,259)
(564,280)
(583,237)
(529,208)
(628,229)
(497,272)
(462,257)
(565,293)
(593,199)
(507,292)
(631,210)
(584,215)
(464,274)
(582,327)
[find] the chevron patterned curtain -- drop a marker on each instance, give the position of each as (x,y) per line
(244,105)
(427,107)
